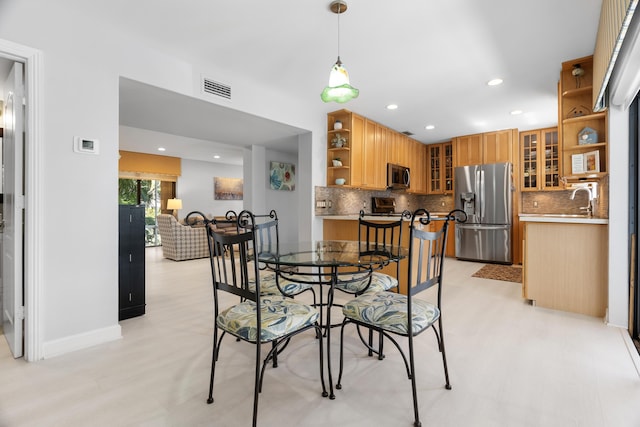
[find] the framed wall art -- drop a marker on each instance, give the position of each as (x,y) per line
(227,188)
(282,176)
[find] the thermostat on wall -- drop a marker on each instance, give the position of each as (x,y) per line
(86,146)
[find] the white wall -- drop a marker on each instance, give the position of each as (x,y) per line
(618,294)
(83,60)
(285,203)
(195,187)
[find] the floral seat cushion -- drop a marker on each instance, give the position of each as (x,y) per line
(268,285)
(388,311)
(382,282)
(280,316)
(354,283)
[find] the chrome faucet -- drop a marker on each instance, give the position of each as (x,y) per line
(589,207)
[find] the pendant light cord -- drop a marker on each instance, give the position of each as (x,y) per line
(339,13)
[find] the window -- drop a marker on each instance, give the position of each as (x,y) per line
(147,193)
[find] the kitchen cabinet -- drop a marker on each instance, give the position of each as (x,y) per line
(486,148)
(498,146)
(404,149)
(364,148)
(345,144)
(418,165)
(374,156)
(565,265)
(575,101)
(468,150)
(440,168)
(540,160)
(131,262)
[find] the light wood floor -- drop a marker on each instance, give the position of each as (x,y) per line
(511,364)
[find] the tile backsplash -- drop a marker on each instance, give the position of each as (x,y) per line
(349,201)
(559,202)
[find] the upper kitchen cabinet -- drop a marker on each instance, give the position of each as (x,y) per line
(419,167)
(486,148)
(440,168)
(582,132)
(374,155)
(358,150)
(345,141)
(468,150)
(540,160)
(498,147)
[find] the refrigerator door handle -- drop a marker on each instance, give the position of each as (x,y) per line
(480,193)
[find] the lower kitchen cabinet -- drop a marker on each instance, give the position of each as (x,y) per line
(131,262)
(565,266)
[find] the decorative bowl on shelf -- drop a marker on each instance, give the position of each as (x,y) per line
(340,181)
(337,162)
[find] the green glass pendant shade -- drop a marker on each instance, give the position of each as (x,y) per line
(339,89)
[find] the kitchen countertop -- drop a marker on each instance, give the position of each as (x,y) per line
(367,217)
(563,218)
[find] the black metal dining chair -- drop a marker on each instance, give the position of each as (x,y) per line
(280,281)
(396,314)
(376,238)
(257,319)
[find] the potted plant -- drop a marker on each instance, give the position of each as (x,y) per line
(337,162)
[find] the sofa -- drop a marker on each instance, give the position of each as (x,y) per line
(182,242)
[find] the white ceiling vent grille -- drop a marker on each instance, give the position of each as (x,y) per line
(215,88)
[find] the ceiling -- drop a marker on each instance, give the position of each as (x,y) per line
(431,58)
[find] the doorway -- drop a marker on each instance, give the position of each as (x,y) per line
(31,268)
(12,211)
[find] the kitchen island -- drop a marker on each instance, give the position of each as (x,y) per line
(565,262)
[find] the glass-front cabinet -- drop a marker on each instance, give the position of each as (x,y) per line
(448,167)
(435,168)
(440,162)
(540,160)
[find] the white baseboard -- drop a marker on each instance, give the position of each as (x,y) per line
(80,341)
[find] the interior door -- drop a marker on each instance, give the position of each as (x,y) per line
(12,210)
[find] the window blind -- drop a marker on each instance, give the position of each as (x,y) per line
(615,16)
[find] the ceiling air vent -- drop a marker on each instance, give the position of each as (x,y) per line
(406,132)
(216,88)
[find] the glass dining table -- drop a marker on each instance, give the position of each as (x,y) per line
(321,262)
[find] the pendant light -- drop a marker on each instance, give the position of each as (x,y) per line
(339,89)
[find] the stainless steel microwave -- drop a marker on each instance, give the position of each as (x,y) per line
(398,177)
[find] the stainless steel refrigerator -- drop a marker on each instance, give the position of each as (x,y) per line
(485,193)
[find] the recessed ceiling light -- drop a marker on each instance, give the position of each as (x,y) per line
(392,107)
(162,149)
(429,127)
(516,112)
(216,157)
(494,82)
